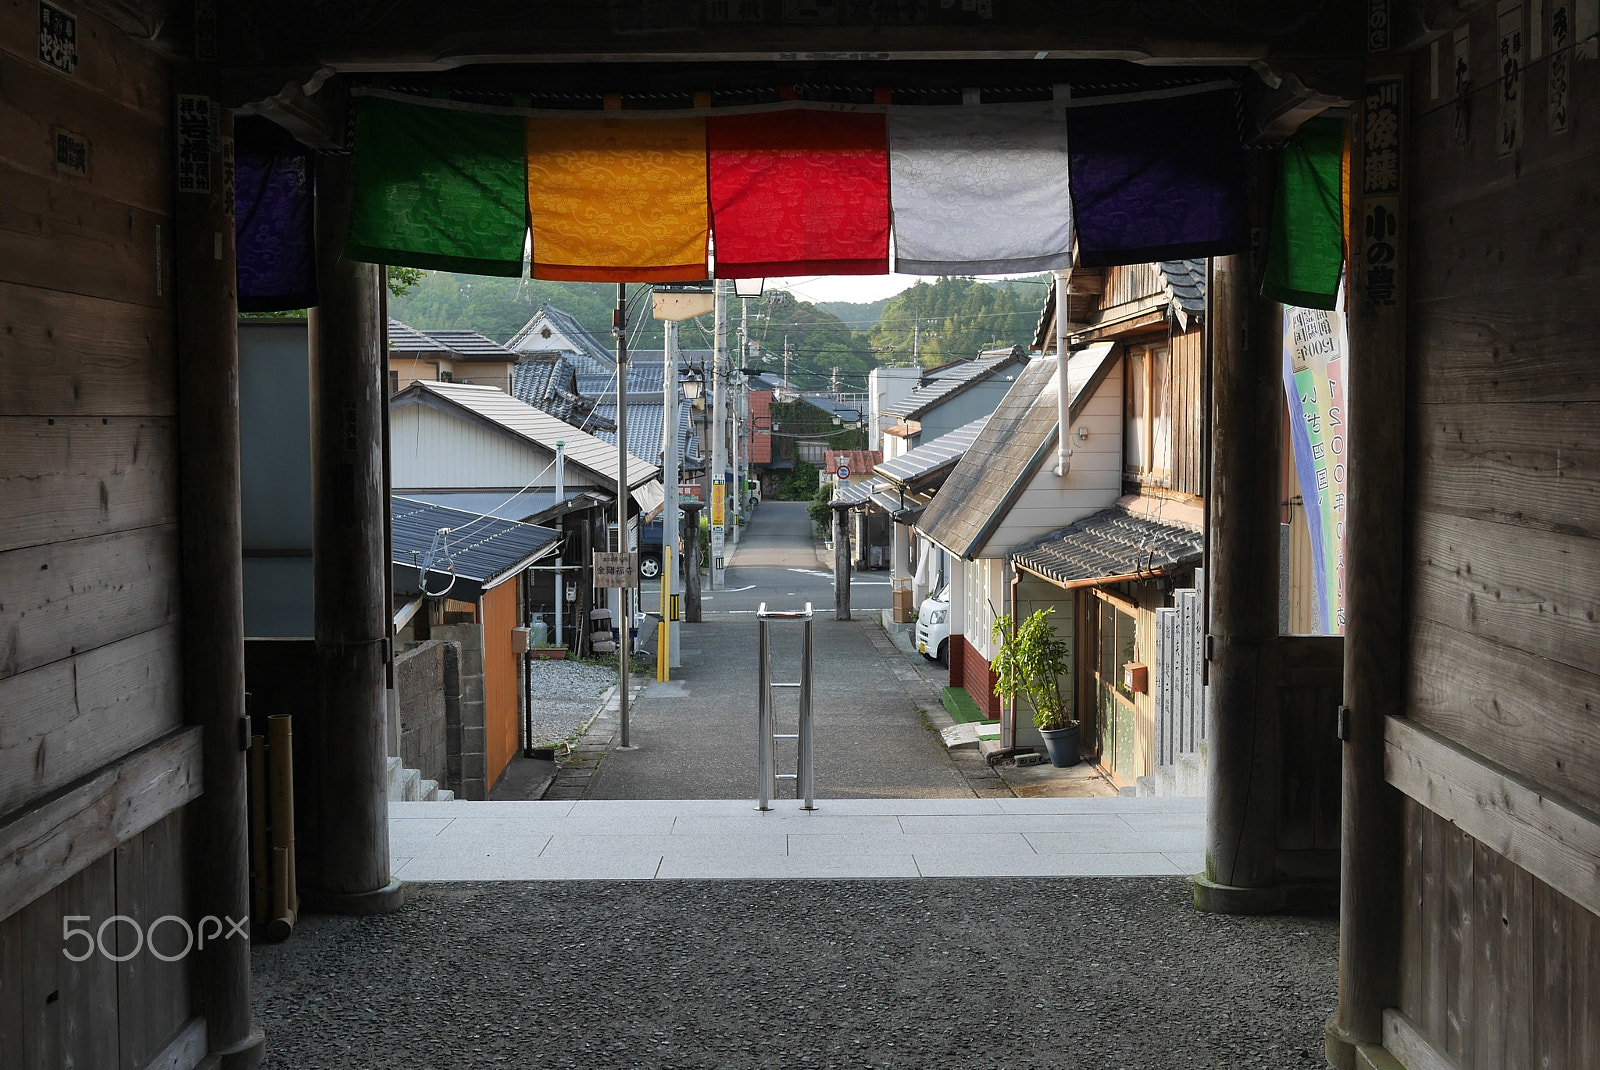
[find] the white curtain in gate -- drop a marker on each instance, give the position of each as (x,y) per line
(979,190)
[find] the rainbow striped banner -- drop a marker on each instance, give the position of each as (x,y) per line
(1314,347)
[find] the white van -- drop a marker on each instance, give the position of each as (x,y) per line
(933,627)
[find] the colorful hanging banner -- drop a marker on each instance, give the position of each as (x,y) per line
(1159,179)
(438,188)
(980,191)
(1314,347)
(618,199)
(803,192)
(1306,254)
(273,221)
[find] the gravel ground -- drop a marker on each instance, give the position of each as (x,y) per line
(1092,972)
(566,695)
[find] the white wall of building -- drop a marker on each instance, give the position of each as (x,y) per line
(887,387)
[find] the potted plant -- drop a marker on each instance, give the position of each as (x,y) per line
(1031,662)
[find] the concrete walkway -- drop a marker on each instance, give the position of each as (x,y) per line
(678,839)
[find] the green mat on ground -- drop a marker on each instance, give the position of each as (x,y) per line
(962,706)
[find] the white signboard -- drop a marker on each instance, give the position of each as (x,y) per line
(615,570)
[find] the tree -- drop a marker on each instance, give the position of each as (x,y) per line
(956,318)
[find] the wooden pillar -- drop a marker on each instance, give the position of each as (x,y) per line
(691,562)
(350,559)
(206,301)
(1374,673)
(841,562)
(1243,736)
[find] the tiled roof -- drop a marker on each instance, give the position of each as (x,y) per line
(934,457)
(847,413)
(1001,460)
(527,340)
(645,429)
(956,381)
(536,426)
(478,552)
(860,462)
(1111,543)
(458,345)
(1185,282)
(547,382)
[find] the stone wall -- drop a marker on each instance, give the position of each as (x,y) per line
(466,764)
(424,701)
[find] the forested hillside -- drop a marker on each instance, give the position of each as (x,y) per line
(948,319)
(957,317)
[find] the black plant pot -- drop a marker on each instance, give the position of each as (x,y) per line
(1062,745)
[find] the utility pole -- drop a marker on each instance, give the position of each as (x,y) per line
(669,508)
(719,456)
(619,327)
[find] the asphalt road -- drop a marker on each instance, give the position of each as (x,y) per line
(695,736)
(778,562)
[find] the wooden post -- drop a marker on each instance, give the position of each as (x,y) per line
(1374,672)
(1242,576)
(206,301)
(691,561)
(841,562)
(350,559)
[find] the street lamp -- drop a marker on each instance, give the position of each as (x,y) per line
(694,385)
(749,287)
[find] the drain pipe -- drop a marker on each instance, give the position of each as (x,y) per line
(561,496)
(1064,400)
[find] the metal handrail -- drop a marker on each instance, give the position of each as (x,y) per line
(766,741)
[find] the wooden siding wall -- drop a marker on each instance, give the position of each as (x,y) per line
(1185,406)
(501,680)
(1130,284)
(89,557)
(1503,561)
(1498,968)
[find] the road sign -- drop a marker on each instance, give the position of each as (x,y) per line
(844,470)
(615,570)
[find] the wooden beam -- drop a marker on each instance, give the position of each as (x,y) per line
(51,840)
(206,300)
(186,1049)
(1555,840)
(1405,1042)
(350,563)
(841,562)
(1242,711)
(1375,643)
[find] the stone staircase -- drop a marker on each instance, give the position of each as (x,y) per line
(407,785)
(1185,777)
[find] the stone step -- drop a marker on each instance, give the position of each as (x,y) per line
(445,795)
(405,787)
(1145,787)
(428,791)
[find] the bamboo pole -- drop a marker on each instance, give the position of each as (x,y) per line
(280,763)
(260,859)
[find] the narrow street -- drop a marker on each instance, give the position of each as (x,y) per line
(695,736)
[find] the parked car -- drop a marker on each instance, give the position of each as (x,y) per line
(650,550)
(933,627)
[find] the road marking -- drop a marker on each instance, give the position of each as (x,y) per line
(812,572)
(736,590)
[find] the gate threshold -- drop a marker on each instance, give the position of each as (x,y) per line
(725,839)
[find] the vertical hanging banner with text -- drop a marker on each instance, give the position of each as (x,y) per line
(719,503)
(1314,347)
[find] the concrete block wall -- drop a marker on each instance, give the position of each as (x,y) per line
(466,761)
(422,694)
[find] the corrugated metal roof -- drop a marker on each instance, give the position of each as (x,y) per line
(537,426)
(500,503)
(933,457)
(476,554)
(957,381)
(645,429)
(1110,544)
(456,344)
(1006,452)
